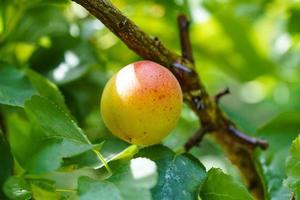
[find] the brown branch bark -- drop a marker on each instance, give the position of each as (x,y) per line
(238,149)
(186,47)
(221,94)
(196,138)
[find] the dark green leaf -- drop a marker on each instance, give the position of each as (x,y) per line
(220,186)
(6,161)
(180,176)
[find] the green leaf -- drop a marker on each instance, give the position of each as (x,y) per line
(55,122)
(130,181)
(6,161)
(92,189)
(17,188)
(43,189)
(30,188)
(15,88)
(21,137)
(54,134)
(279,133)
(220,186)
(180,176)
(63,138)
(51,151)
(47,152)
(46,88)
(293,167)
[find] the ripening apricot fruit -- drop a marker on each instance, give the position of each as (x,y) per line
(141,104)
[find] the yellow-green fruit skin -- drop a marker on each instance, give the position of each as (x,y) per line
(141,104)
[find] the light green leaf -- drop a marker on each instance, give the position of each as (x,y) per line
(15,88)
(279,133)
(46,88)
(22,188)
(47,152)
(43,189)
(55,122)
(21,137)
(293,167)
(51,136)
(220,186)
(51,151)
(180,176)
(17,188)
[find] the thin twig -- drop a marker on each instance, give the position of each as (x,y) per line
(186,47)
(250,141)
(221,94)
(196,138)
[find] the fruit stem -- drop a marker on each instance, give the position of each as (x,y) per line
(66,190)
(102,159)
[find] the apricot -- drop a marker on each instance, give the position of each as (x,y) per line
(141,104)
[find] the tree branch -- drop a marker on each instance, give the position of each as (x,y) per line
(194,92)
(186,47)
(196,138)
(251,142)
(221,94)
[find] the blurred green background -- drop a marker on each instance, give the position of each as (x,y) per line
(252,47)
